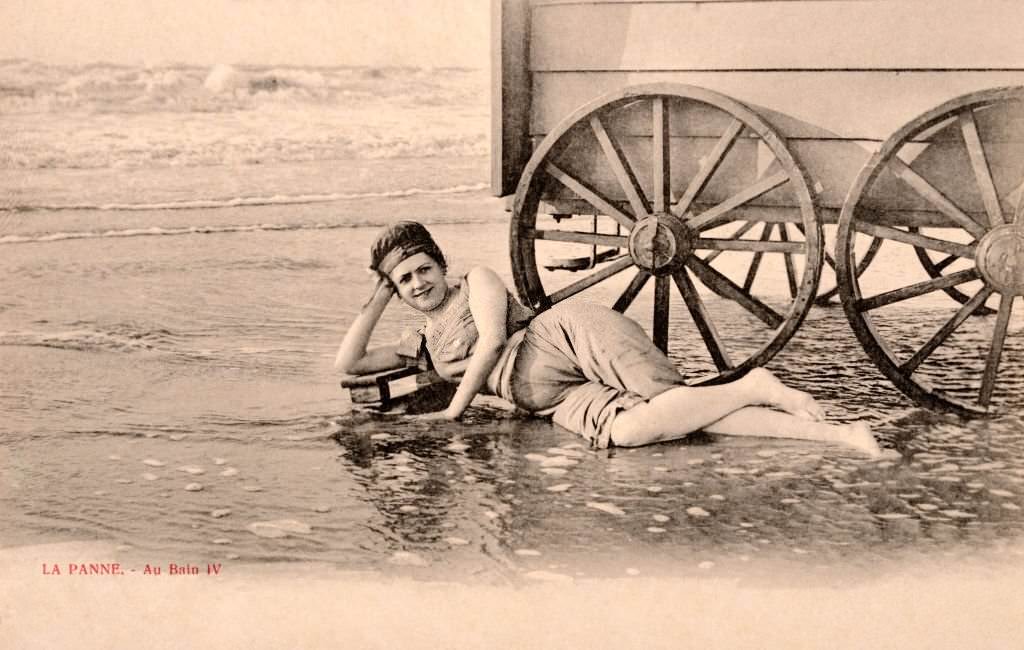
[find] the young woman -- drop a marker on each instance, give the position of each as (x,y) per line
(593,370)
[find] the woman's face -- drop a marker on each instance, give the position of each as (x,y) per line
(420,282)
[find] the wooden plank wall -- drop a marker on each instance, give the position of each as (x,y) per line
(823,71)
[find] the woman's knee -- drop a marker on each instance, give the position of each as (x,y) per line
(629,430)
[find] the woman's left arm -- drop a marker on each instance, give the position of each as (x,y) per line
(488,303)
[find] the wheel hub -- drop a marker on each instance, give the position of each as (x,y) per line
(660,243)
(1000,258)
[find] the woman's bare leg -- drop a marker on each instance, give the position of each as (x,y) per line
(726,409)
(767,423)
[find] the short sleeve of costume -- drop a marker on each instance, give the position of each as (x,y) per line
(412,348)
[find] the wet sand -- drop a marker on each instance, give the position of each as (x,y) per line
(159,348)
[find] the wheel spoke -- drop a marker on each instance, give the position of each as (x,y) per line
(710,166)
(755,263)
(790,270)
(915,239)
(594,239)
(661,299)
(635,285)
(661,156)
(723,286)
(928,191)
(976,151)
(749,245)
(713,215)
(988,381)
(623,172)
(570,290)
(941,265)
(736,235)
(590,196)
(946,330)
(919,289)
(702,319)
(830,260)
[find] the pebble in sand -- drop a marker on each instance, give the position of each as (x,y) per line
(554,471)
(660,518)
(958,514)
(405,558)
(230,471)
(220,512)
(526,552)
(558,461)
(192,469)
(279,528)
(610,508)
(152,462)
(562,451)
(561,487)
(149,476)
(697,511)
(193,487)
(456,541)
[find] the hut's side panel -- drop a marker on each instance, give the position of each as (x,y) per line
(510,93)
(823,72)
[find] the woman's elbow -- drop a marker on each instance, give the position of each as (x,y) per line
(343,367)
(346,365)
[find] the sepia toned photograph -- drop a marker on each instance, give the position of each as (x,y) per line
(511,324)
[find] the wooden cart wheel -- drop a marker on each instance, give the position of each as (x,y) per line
(683,185)
(949,182)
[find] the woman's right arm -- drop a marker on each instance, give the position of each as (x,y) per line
(353,358)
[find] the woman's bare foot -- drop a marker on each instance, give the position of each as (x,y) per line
(795,402)
(858,435)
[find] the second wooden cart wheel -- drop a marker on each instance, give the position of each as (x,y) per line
(682,185)
(947,188)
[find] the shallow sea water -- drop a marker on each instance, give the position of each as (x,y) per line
(135,367)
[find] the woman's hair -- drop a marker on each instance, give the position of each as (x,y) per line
(400,241)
